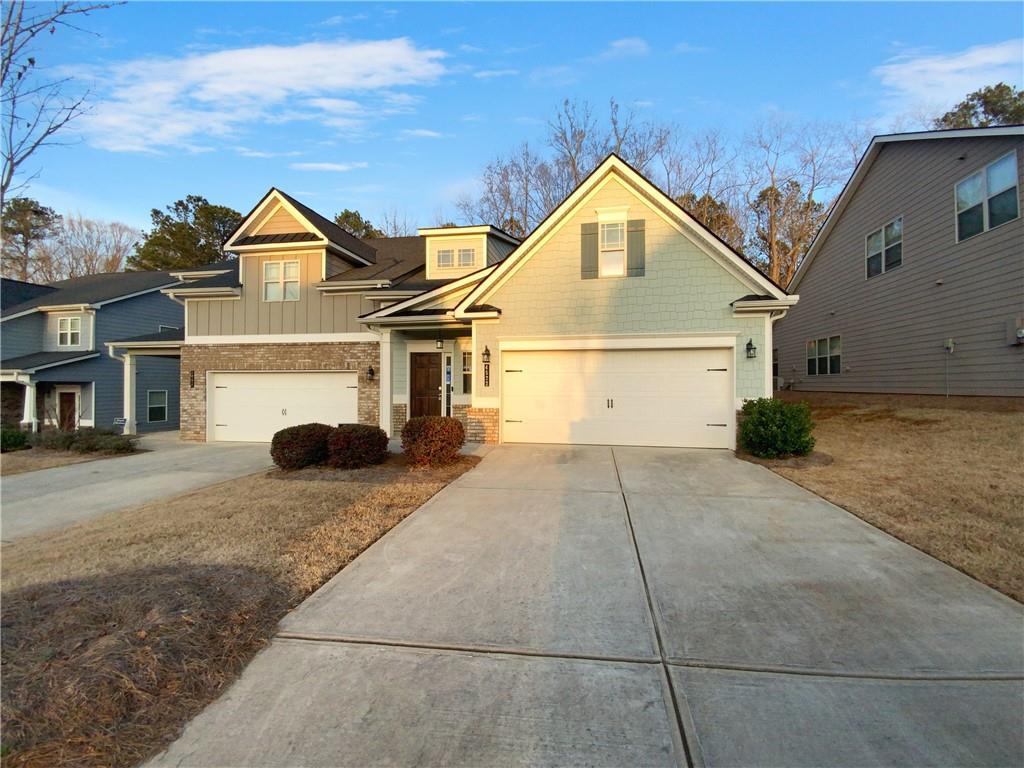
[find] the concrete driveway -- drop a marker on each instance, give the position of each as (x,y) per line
(51,498)
(590,606)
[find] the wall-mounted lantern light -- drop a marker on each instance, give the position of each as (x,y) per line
(370,373)
(751,349)
(438,344)
(486,355)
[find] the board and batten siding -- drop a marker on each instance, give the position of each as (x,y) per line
(684,290)
(314,312)
(894,326)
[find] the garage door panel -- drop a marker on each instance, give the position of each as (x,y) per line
(668,397)
(251,407)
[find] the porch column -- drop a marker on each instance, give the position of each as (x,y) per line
(28,416)
(385,381)
(129,393)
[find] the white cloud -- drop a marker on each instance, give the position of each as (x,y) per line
(487,74)
(146,105)
(467,48)
(625,47)
(421,133)
(685,47)
(916,79)
(334,21)
(472,117)
(259,153)
(331,167)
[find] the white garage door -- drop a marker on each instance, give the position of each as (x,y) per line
(662,397)
(251,407)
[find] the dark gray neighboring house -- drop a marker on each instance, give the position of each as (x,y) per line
(915,283)
(55,368)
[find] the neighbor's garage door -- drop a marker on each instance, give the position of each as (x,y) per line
(663,397)
(251,407)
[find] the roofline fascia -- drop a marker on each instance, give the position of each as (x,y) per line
(323,242)
(340,286)
(441,290)
(762,305)
(139,344)
(198,274)
(474,229)
(44,366)
(197,292)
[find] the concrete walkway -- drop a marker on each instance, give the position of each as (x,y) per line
(52,498)
(590,606)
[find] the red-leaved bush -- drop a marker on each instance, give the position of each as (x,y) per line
(350,446)
(300,446)
(433,440)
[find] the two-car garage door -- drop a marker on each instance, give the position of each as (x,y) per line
(251,407)
(657,397)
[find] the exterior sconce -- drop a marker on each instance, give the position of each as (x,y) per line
(370,373)
(486,355)
(751,349)
(438,344)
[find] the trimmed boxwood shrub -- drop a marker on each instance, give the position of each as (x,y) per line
(12,440)
(350,446)
(772,428)
(433,440)
(85,440)
(304,445)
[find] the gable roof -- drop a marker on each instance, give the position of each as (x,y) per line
(14,292)
(39,360)
(864,165)
(325,231)
(669,209)
(93,289)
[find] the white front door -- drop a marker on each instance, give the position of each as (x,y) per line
(251,407)
(658,397)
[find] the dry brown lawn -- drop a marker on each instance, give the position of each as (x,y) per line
(31,459)
(117,631)
(943,475)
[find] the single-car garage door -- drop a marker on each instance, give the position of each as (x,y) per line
(251,407)
(660,397)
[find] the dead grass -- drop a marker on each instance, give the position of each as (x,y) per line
(944,479)
(31,459)
(117,631)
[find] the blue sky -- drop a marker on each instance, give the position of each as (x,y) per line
(397,106)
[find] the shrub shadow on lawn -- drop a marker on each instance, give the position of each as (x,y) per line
(101,671)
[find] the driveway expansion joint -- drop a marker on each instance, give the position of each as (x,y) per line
(923,677)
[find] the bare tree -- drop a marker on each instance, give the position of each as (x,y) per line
(84,246)
(34,107)
(396,223)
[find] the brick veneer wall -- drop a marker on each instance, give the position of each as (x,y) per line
(399,415)
(481,423)
(314,356)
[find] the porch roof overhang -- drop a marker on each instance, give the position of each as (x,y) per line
(164,343)
(38,361)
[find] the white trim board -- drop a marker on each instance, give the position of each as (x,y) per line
(691,341)
(284,338)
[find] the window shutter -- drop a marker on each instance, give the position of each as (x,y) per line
(635,248)
(588,251)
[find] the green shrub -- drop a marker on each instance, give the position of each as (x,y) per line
(433,440)
(350,446)
(86,440)
(304,445)
(772,428)
(53,439)
(12,440)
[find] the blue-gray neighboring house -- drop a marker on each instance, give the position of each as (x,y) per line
(57,368)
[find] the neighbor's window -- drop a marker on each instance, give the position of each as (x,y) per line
(69,331)
(467,257)
(445,257)
(988,198)
(824,356)
(885,248)
(280,281)
(467,373)
(156,405)
(611,259)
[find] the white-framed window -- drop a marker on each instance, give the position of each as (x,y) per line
(987,198)
(69,331)
(156,405)
(467,373)
(884,248)
(281,281)
(824,356)
(445,257)
(611,249)
(467,257)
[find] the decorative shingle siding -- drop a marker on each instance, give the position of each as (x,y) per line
(339,356)
(684,290)
(894,326)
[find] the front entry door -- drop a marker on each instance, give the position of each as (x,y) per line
(66,410)
(425,389)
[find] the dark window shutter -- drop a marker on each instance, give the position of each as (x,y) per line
(588,251)
(635,253)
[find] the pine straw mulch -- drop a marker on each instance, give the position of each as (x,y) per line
(941,474)
(117,631)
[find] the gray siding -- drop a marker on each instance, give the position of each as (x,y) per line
(497,250)
(893,326)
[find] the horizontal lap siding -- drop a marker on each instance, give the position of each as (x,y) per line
(894,326)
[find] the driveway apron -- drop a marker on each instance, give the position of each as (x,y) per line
(589,606)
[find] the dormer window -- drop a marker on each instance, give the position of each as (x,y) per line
(280,281)
(467,257)
(445,257)
(612,250)
(69,332)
